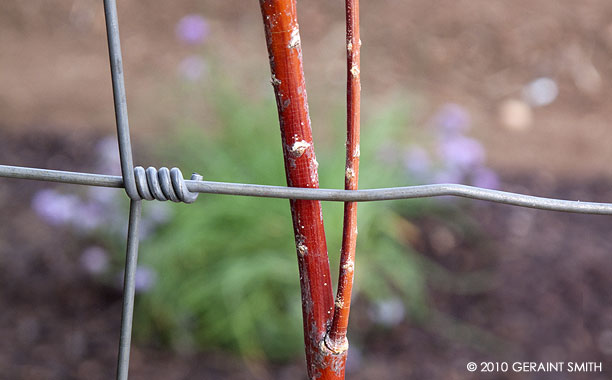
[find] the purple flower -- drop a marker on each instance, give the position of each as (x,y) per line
(417,161)
(55,208)
(388,312)
(192,29)
(103,195)
(461,152)
(89,216)
(94,260)
(452,119)
(485,177)
(192,68)
(144,279)
(449,176)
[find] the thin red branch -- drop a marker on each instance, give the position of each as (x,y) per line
(285,53)
(336,339)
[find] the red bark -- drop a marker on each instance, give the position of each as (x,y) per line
(285,53)
(336,339)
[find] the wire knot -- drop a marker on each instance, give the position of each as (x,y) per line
(164,184)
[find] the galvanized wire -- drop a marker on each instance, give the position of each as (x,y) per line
(129,182)
(129,289)
(164,184)
(119,96)
(369,195)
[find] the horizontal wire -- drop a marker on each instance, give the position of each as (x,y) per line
(61,176)
(370,195)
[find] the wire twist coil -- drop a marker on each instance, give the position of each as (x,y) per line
(163,184)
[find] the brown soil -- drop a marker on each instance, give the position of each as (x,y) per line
(474,52)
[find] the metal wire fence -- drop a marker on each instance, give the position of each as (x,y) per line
(168,184)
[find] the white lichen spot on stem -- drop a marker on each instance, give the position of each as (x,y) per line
(295,39)
(302,249)
(275,81)
(355,70)
(299,147)
(349,266)
(357,151)
(339,303)
(350,174)
(349,46)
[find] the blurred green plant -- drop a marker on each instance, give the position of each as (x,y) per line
(222,273)
(227,272)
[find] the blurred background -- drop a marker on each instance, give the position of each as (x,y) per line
(505,95)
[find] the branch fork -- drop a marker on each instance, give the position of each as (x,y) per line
(325,321)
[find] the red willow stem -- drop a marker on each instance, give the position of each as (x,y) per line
(285,54)
(336,339)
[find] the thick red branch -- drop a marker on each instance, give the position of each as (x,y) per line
(336,339)
(285,53)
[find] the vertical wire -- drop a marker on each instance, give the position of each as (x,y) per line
(131,259)
(121,113)
(129,182)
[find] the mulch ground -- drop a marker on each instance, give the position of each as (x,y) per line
(545,294)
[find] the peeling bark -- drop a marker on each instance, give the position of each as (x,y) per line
(285,54)
(336,340)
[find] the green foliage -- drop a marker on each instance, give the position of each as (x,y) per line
(227,271)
